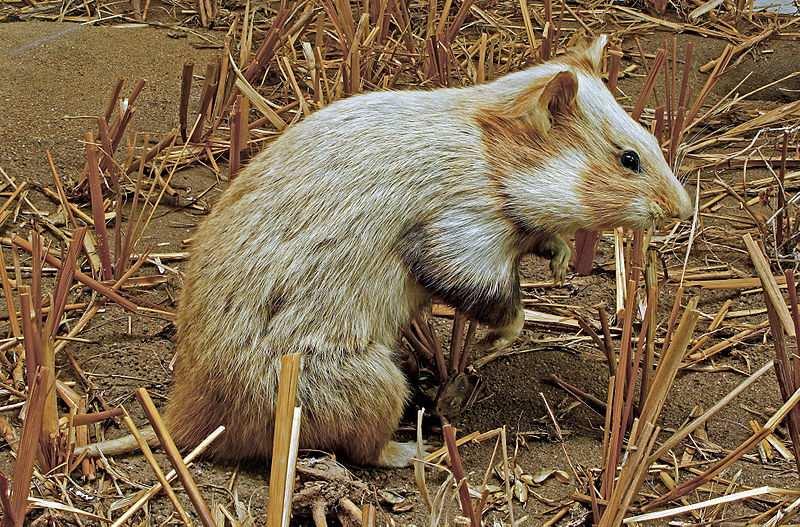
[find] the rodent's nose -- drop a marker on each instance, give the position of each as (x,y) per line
(683,206)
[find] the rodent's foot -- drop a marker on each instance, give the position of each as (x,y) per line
(559,262)
(495,342)
(454,394)
(500,338)
(397,455)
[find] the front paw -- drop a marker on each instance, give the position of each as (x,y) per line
(559,261)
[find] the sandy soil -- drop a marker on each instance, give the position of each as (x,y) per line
(54,75)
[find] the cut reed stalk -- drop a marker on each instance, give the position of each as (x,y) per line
(696,423)
(206,106)
(771,290)
(9,298)
(63,283)
(119,127)
(526,19)
(651,287)
(368,515)
(457,340)
(172,453)
(622,379)
(785,366)
(186,90)
(649,83)
(719,68)
(166,142)
(631,478)
(236,137)
(82,439)
(779,218)
(585,247)
(589,330)
(294,447)
(669,365)
(673,316)
(26,451)
(97,417)
(458,473)
(106,159)
(98,210)
(112,102)
(281,438)
(151,460)
(733,456)
(86,280)
(268,47)
(458,20)
(154,490)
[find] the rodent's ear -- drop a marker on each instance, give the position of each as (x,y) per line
(559,94)
(537,107)
(594,52)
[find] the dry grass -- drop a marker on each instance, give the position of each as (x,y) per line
(279,63)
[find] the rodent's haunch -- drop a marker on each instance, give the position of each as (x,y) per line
(334,237)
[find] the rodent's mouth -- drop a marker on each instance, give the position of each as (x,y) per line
(652,219)
(642,214)
(656,217)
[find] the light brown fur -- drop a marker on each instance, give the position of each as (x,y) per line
(333,239)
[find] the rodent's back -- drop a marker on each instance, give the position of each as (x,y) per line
(302,246)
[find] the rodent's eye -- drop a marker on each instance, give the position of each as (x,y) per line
(630,160)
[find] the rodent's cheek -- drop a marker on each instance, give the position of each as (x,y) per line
(612,200)
(649,212)
(612,214)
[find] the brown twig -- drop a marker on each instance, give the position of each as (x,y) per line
(151,460)
(174,456)
(26,451)
(458,473)
(746,446)
(84,279)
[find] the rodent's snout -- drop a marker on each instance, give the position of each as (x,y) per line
(682,206)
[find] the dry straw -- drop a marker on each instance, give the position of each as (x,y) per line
(306,56)
(284,442)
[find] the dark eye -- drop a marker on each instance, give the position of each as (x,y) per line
(630,160)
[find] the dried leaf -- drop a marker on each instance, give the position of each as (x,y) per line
(520,491)
(390,497)
(543,475)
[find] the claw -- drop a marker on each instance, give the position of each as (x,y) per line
(559,262)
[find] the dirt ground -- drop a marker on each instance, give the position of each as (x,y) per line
(54,75)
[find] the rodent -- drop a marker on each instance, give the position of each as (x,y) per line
(338,233)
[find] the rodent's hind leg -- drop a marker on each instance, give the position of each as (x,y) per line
(352,403)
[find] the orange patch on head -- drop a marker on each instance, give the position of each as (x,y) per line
(509,146)
(607,194)
(509,143)
(517,133)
